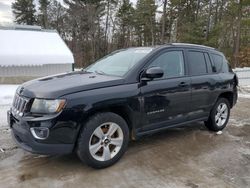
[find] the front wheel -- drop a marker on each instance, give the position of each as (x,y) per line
(103,140)
(219,115)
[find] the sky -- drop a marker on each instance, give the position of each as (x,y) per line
(5,10)
(6,15)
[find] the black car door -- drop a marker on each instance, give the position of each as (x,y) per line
(165,101)
(203,83)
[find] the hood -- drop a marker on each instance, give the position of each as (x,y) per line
(53,87)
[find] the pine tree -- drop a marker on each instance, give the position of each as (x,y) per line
(87,29)
(145,21)
(109,8)
(43,16)
(24,11)
(125,24)
(58,18)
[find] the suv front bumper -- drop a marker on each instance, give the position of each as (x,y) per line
(21,134)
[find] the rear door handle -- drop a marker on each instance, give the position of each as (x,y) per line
(183,84)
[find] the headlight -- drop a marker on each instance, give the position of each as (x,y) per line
(47,106)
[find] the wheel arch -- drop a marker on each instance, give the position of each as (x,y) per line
(229,96)
(122,110)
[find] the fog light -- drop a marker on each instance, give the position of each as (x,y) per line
(40,133)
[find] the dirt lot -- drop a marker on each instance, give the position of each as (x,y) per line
(184,157)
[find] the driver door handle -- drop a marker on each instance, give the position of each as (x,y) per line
(183,84)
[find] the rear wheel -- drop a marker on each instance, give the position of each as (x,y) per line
(219,115)
(103,140)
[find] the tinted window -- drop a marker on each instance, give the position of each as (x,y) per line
(218,60)
(197,63)
(171,62)
(225,66)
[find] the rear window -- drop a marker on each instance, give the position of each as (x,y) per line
(218,61)
(197,63)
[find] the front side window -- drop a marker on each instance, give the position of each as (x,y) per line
(171,62)
(119,63)
(197,63)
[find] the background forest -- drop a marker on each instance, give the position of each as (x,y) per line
(93,28)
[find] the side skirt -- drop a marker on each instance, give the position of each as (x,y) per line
(142,133)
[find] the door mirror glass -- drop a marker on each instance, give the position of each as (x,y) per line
(152,73)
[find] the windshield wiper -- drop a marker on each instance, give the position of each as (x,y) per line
(100,72)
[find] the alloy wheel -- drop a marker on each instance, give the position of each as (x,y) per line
(106,141)
(221,114)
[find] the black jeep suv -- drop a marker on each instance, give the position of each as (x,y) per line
(127,94)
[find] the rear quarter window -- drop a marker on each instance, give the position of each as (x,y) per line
(225,66)
(217,61)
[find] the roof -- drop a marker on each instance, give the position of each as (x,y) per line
(30,45)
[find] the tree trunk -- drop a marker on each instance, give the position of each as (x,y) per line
(221,10)
(237,40)
(106,26)
(216,12)
(152,33)
(163,21)
(46,18)
(208,20)
(197,9)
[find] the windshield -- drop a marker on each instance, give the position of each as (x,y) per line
(118,63)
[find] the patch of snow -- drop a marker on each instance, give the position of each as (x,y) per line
(244,92)
(247,86)
(239,68)
(7,93)
(77,69)
(246,96)
(219,132)
(239,123)
(245,151)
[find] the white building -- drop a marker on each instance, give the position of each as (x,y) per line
(28,52)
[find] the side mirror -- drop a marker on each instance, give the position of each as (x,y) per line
(152,73)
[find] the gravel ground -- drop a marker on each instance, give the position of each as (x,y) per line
(183,157)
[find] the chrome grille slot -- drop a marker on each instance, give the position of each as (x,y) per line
(19,105)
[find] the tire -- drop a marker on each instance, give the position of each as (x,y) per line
(103,140)
(218,120)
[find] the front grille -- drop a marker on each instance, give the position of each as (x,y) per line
(19,105)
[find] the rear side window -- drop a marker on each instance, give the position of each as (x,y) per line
(218,61)
(197,63)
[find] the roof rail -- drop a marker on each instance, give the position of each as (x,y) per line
(188,44)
